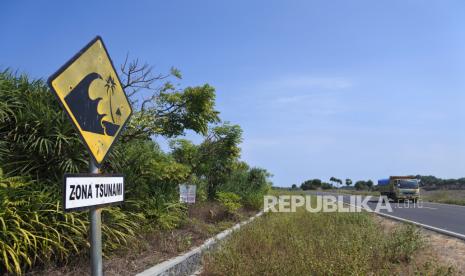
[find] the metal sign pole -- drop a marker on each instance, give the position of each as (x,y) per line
(71,84)
(95,233)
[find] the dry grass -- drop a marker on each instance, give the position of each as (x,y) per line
(303,243)
(444,196)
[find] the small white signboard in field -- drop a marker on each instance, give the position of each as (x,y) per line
(86,190)
(187,193)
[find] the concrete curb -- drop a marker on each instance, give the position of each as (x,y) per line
(188,263)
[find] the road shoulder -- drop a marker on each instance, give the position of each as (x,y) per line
(445,249)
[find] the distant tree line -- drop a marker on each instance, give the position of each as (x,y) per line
(434,183)
(315,184)
(364,185)
(426,182)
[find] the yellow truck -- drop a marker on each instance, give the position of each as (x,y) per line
(400,188)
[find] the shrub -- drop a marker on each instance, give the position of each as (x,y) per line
(250,184)
(165,215)
(405,241)
(35,230)
(229,200)
(149,172)
(37,137)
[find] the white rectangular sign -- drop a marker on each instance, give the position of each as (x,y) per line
(87,190)
(187,193)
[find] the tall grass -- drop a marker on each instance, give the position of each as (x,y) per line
(303,243)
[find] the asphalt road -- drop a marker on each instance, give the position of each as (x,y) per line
(450,218)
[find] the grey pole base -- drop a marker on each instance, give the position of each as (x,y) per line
(95,233)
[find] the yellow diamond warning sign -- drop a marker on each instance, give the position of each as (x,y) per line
(92,95)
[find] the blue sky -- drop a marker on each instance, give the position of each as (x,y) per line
(358,89)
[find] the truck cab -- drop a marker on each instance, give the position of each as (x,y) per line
(400,188)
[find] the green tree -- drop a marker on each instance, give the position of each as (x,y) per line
(218,153)
(348,182)
(185,152)
(362,185)
(312,184)
(369,184)
(215,158)
(326,186)
(333,179)
(162,108)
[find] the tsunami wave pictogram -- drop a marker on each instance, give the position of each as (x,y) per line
(84,108)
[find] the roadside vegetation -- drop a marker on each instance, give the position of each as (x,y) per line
(202,221)
(456,197)
(304,243)
(355,192)
(38,144)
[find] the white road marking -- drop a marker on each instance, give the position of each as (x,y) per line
(440,230)
(426,226)
(420,207)
(453,205)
